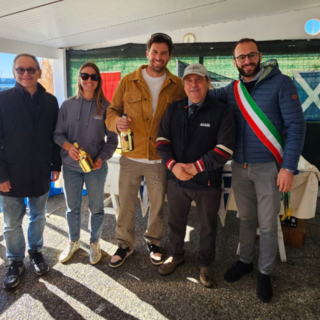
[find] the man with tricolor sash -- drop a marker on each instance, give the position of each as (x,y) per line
(196,138)
(270,130)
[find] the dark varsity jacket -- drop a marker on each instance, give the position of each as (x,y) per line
(205,139)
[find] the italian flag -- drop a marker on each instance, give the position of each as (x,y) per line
(259,122)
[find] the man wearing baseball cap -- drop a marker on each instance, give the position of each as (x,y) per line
(196,138)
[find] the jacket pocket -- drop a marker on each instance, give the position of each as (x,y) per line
(132,104)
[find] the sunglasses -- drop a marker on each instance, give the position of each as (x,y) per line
(86,76)
(163,35)
(21,70)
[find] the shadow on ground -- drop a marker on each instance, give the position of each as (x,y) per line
(77,290)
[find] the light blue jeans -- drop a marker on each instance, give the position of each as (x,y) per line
(14,210)
(73,186)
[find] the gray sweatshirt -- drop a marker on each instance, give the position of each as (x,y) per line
(76,122)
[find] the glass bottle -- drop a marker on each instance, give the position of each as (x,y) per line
(126,139)
(85,160)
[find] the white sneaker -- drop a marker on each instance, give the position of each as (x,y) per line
(95,253)
(68,252)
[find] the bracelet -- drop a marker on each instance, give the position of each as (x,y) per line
(292,171)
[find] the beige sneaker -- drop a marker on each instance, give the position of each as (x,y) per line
(95,253)
(68,252)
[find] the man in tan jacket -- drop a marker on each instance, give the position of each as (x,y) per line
(144,95)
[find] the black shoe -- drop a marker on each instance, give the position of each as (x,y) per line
(237,271)
(39,265)
(123,254)
(12,277)
(155,259)
(264,287)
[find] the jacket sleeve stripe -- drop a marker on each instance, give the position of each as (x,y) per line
(162,142)
(220,146)
(170,164)
(162,139)
(226,155)
(199,165)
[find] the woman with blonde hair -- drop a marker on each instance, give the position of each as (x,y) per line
(82,119)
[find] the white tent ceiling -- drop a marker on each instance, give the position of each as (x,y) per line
(48,24)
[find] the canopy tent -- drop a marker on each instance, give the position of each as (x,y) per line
(48,28)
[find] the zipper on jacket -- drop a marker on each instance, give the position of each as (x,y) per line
(185,127)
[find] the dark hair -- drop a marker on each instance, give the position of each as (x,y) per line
(160,38)
(243,40)
(98,93)
(25,55)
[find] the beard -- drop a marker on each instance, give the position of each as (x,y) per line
(158,68)
(251,73)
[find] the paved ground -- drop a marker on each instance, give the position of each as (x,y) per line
(78,290)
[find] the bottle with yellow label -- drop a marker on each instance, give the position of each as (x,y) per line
(126,139)
(85,160)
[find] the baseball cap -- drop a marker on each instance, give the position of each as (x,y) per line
(196,68)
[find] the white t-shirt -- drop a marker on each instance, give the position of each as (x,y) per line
(154,85)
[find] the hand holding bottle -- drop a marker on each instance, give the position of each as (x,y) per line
(84,160)
(123,124)
(73,152)
(126,136)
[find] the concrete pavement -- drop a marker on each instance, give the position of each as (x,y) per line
(77,290)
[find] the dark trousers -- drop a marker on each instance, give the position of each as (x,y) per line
(208,203)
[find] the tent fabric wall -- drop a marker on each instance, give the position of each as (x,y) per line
(308,84)
(221,65)
(292,56)
(124,66)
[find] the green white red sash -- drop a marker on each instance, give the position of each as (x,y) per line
(259,122)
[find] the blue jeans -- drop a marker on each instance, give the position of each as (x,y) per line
(73,186)
(14,210)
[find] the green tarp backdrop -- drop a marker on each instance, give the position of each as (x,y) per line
(292,55)
(221,65)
